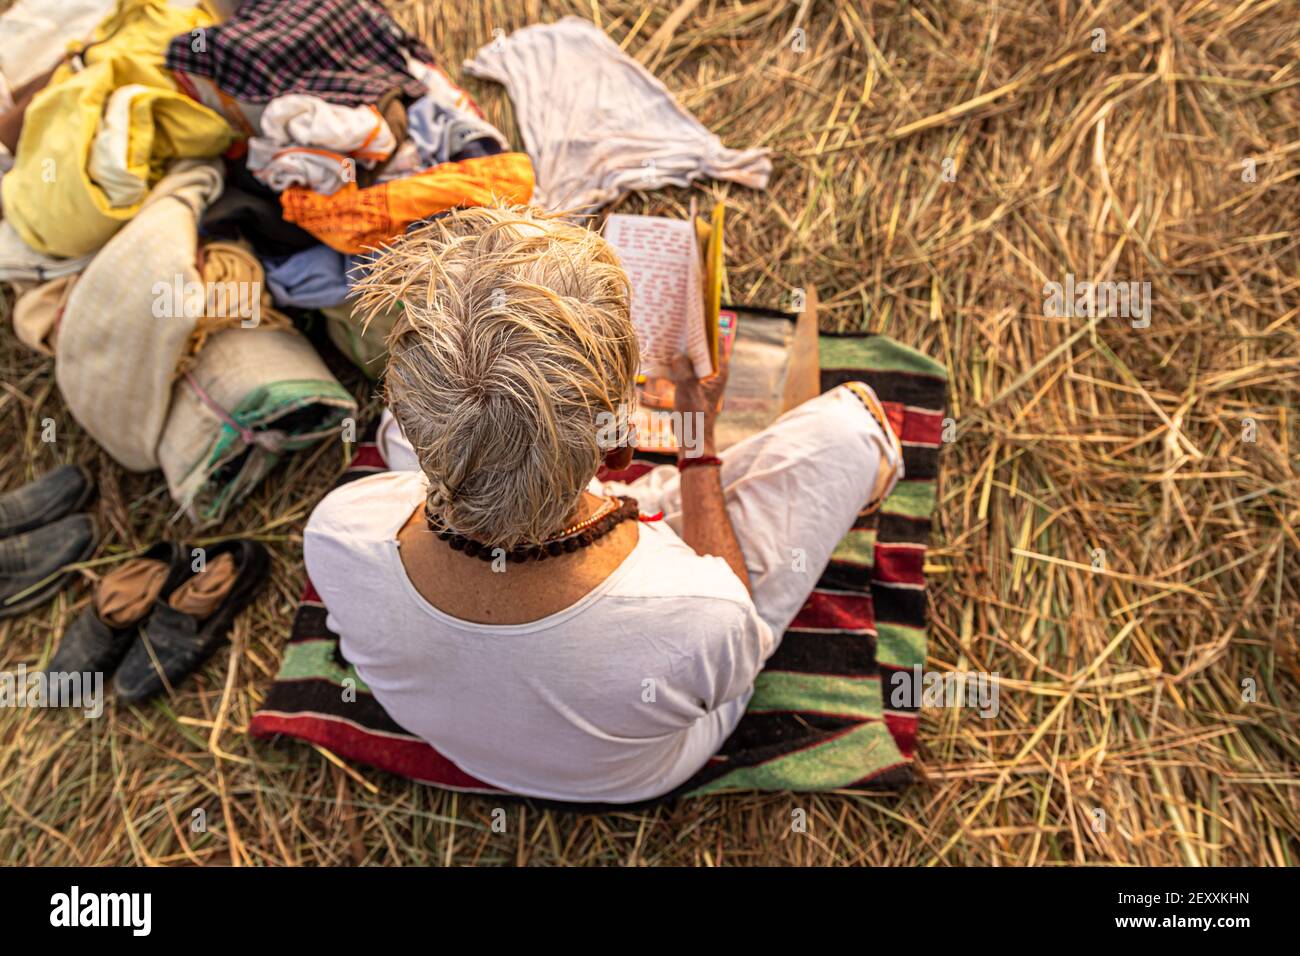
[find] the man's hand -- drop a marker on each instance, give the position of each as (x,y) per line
(695,397)
(706,526)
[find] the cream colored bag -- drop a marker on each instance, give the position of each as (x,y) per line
(252,395)
(123,331)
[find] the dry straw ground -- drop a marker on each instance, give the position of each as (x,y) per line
(1121,688)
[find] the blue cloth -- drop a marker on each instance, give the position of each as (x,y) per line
(315,278)
(442,135)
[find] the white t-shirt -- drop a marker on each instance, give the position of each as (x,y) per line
(597,124)
(617,698)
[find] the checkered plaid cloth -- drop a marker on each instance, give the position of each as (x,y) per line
(345,51)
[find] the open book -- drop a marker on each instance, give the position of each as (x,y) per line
(675,268)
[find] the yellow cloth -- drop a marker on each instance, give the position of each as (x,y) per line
(48,195)
(231,275)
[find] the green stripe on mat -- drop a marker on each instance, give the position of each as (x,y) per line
(876,353)
(914,499)
(898,645)
(821,693)
(858,546)
(315,660)
(837,763)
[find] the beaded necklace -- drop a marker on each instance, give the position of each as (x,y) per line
(580,535)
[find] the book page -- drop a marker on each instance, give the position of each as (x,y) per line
(662,261)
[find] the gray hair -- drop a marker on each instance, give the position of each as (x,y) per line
(515,341)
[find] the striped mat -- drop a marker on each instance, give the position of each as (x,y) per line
(821,717)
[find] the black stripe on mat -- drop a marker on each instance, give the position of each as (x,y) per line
(314,695)
(920,462)
(759,738)
(895,529)
(351,475)
(846,576)
(892,528)
(904,388)
(910,702)
(825,652)
(369,429)
(899,605)
(309,625)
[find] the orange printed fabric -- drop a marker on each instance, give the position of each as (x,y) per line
(358,220)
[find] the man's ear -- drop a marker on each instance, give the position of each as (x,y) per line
(616,459)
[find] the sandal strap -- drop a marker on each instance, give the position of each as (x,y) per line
(888,469)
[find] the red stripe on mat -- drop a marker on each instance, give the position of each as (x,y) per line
(899,565)
(840,612)
(405,757)
(902,727)
(923,428)
(897,415)
(368,457)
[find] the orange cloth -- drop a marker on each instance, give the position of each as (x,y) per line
(358,220)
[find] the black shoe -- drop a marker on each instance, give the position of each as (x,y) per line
(38,557)
(47,499)
(181,642)
(91,646)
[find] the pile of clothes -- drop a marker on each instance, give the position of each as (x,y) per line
(183,181)
(180,179)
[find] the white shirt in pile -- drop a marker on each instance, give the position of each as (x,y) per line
(617,698)
(597,124)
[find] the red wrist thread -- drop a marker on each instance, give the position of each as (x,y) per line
(684,463)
